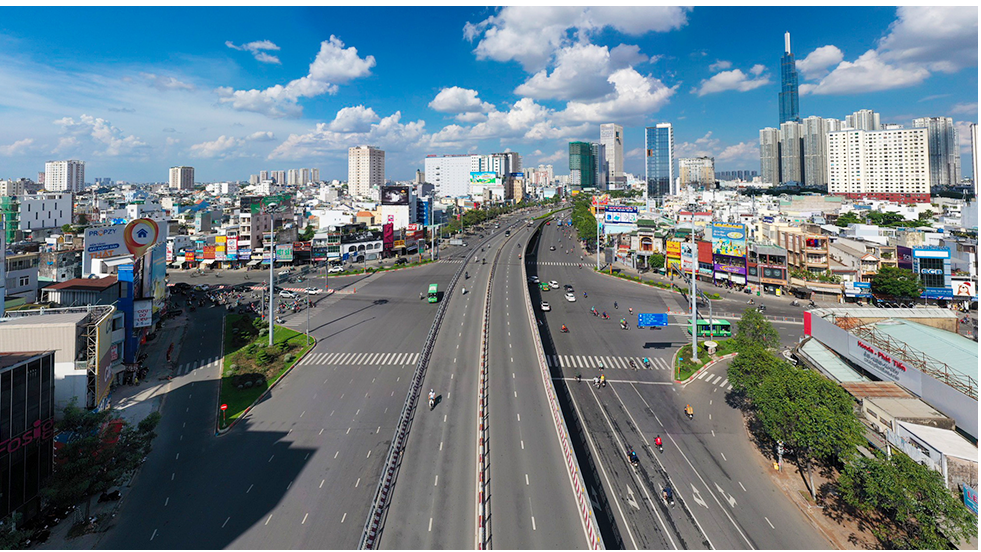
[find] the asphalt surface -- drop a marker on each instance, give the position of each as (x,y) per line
(724,498)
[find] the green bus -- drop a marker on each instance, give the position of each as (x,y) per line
(433,293)
(717,328)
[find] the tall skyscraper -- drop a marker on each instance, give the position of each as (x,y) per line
(815,157)
(789,102)
(64,176)
(582,165)
(611,136)
(945,155)
(601,172)
(887,164)
(770,156)
(365,169)
(182,178)
(791,153)
(659,161)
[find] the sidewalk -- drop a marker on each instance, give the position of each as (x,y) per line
(132,403)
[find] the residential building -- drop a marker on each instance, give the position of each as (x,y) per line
(696,172)
(450,174)
(974,156)
(182,178)
(64,176)
(659,161)
(11,187)
(863,119)
(789,100)
(223,188)
(21,275)
(365,171)
(945,154)
(60,266)
(611,136)
(45,211)
(766,267)
(887,164)
(814,140)
(791,158)
(770,156)
(806,250)
(582,165)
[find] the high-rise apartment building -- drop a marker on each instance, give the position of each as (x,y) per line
(789,100)
(611,136)
(279,177)
(887,164)
(791,154)
(659,161)
(182,178)
(814,139)
(582,165)
(11,187)
(945,155)
(64,176)
(770,156)
(263,175)
(696,172)
(863,119)
(365,170)
(974,156)
(450,174)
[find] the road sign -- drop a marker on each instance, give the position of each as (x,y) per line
(649,319)
(224,407)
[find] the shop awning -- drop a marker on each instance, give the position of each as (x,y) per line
(255,262)
(721,275)
(207,261)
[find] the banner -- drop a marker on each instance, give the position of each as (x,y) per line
(395,195)
(104,356)
(220,251)
(673,248)
(103,242)
(284,252)
(483,178)
(621,214)
(142,313)
(729,239)
(965,288)
(231,248)
(687,257)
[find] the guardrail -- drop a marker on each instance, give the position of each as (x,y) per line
(386,482)
(593,537)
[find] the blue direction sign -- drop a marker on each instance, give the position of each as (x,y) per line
(649,319)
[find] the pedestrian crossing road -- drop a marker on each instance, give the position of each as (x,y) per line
(614,363)
(188,367)
(712,379)
(554,263)
(361,359)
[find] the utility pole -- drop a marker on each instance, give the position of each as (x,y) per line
(272,294)
(694,324)
(597,239)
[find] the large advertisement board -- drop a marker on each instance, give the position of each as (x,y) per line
(220,251)
(729,239)
(687,257)
(142,313)
(395,195)
(231,248)
(673,249)
(284,252)
(483,177)
(158,278)
(619,219)
(104,242)
(104,356)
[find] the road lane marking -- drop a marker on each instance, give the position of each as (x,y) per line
(522,444)
(302,413)
(526,480)
(533,527)
(343,517)
(172,476)
(768,522)
(178,456)
(166,502)
(226,522)
(723,456)
(250,488)
(441,445)
(519,417)
(741,486)
(304,518)
(356,483)
(289,485)
(335,454)
(348,431)
(436,483)
(430,525)
(154,534)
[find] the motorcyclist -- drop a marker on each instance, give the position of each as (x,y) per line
(603,380)
(689,410)
(633,364)
(584,295)
(647,361)
(605,315)
(633,457)
(657,441)
(615,305)
(466,275)
(668,495)
(564,329)
(432,398)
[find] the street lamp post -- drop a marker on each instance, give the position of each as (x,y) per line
(597,240)
(272,294)
(694,325)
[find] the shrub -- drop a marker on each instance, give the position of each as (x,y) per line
(288,358)
(262,357)
(252,349)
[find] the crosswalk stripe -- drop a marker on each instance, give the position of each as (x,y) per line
(614,362)
(724,382)
(359,359)
(329,359)
(702,375)
(378,360)
(729,388)
(371,358)
(385,359)
(574,361)
(563,363)
(343,358)
(415,358)
(717,378)
(320,358)
(398,358)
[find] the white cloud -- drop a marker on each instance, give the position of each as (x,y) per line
(530,35)
(706,146)
(172,141)
(636,153)
(733,80)
(96,131)
(221,147)
(634,97)
(965,109)
(476,117)
(938,38)
(557,156)
(354,119)
(333,65)
(757,69)
(163,83)
(816,64)
(581,72)
(720,65)
(388,133)
(257,48)
(261,136)
(743,151)
(867,74)
(963,135)
(459,100)
(19,147)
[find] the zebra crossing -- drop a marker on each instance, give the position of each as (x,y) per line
(713,379)
(361,359)
(607,362)
(189,367)
(555,263)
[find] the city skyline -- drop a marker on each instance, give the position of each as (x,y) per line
(230,100)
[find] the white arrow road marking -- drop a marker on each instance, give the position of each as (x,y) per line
(697,497)
(729,498)
(630,498)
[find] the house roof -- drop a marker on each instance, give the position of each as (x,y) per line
(86,284)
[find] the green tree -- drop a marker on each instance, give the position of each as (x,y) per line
(657,261)
(897,282)
(754,329)
(307,233)
(83,219)
(849,218)
(752,367)
(12,536)
(908,504)
(66,228)
(800,408)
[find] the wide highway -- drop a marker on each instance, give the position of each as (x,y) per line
(725,500)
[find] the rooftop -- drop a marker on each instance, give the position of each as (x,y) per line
(12,359)
(957,351)
(53,319)
(876,389)
(944,440)
(830,363)
(86,284)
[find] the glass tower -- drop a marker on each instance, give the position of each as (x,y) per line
(582,165)
(659,146)
(789,104)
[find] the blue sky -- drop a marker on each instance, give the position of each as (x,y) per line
(231,91)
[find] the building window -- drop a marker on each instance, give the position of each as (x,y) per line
(23,281)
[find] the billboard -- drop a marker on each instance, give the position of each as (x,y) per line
(621,214)
(395,195)
(142,313)
(673,248)
(158,278)
(687,257)
(209,252)
(284,252)
(245,253)
(220,251)
(729,239)
(231,248)
(732,265)
(105,354)
(483,178)
(965,288)
(103,242)
(170,252)
(388,236)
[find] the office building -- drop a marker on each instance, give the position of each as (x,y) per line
(64,176)
(601,171)
(582,165)
(659,161)
(789,101)
(182,178)
(365,171)
(945,155)
(611,136)
(863,119)
(770,156)
(450,174)
(888,164)
(696,172)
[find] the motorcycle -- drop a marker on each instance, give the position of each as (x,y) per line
(795,303)
(647,363)
(466,275)
(623,326)
(432,403)
(668,496)
(605,316)
(564,329)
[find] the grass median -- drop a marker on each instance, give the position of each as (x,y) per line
(684,366)
(250,366)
